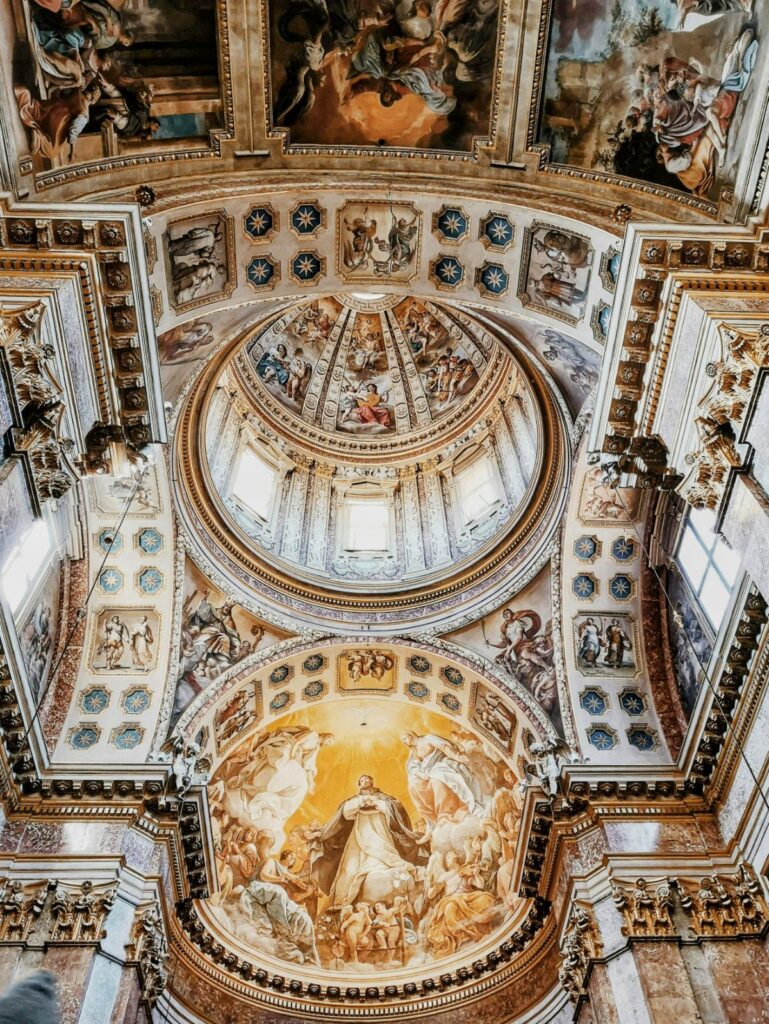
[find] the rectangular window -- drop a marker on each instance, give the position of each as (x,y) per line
(368,525)
(477,489)
(709,564)
(24,564)
(255,483)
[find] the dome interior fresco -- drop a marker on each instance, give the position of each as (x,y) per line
(403,368)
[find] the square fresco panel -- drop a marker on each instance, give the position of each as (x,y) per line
(654,89)
(378,242)
(606,644)
(555,272)
(199,255)
(416,74)
(125,640)
(95,78)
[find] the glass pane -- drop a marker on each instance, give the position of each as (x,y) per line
(254,484)
(692,558)
(35,548)
(477,490)
(368,526)
(728,561)
(15,581)
(714,597)
(703,521)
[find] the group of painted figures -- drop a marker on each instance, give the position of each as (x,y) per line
(681,111)
(369,886)
(84,79)
(388,48)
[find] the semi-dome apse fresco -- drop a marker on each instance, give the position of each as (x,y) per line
(365,836)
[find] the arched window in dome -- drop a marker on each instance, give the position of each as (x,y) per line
(477,486)
(366,521)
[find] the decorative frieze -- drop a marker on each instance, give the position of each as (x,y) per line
(19,910)
(54,911)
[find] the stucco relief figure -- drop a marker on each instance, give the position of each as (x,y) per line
(320,861)
(368,850)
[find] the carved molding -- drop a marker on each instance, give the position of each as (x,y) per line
(722,414)
(665,270)
(36,405)
(54,911)
(99,251)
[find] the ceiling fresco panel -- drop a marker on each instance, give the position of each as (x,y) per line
(96,80)
(409,74)
(657,91)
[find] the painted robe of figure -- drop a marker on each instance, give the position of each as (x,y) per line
(368,850)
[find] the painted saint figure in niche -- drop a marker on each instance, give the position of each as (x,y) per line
(591,641)
(142,640)
(116,639)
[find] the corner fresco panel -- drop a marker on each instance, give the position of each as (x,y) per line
(654,89)
(95,79)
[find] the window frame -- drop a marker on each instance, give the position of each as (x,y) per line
(710,548)
(463,464)
(263,455)
(358,494)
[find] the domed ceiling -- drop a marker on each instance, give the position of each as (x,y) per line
(369,451)
(371,373)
